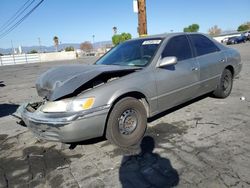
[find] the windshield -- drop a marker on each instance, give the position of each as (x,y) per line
(131,53)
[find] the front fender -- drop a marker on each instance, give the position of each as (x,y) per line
(122,92)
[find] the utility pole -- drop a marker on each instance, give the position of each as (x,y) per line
(142,18)
(13,52)
(40,49)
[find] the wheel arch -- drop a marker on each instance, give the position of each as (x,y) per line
(135,94)
(231,68)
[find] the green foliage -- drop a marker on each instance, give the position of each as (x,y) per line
(1,54)
(69,48)
(117,39)
(192,28)
(243,27)
(33,52)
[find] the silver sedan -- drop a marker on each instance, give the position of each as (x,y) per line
(135,80)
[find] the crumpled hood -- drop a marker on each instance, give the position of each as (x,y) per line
(64,80)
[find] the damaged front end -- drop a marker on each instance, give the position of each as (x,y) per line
(65,126)
(68,81)
(65,115)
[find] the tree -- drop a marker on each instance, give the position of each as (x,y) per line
(117,39)
(69,48)
(244,27)
(215,30)
(191,28)
(56,42)
(33,52)
(86,46)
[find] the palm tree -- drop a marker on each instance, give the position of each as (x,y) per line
(115,30)
(56,42)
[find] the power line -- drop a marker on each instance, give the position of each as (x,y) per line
(20,21)
(16,15)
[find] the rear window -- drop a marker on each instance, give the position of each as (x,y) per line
(203,45)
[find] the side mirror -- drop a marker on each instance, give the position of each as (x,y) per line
(171,60)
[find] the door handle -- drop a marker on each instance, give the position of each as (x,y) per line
(222,60)
(194,69)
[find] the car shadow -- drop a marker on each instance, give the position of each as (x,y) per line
(7,109)
(24,165)
(73,145)
(2,84)
(147,169)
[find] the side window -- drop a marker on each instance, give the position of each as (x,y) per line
(203,45)
(179,47)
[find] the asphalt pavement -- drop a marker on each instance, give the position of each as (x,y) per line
(204,143)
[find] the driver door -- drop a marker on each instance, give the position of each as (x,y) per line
(180,82)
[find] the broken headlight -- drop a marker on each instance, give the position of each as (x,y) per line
(75,105)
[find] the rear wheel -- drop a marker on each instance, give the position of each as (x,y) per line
(127,122)
(225,85)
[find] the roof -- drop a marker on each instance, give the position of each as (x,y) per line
(165,35)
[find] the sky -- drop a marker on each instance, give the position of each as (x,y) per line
(76,21)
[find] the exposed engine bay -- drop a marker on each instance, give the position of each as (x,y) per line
(68,81)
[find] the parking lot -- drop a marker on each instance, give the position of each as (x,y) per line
(204,143)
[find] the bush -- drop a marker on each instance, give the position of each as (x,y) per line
(117,39)
(192,28)
(243,27)
(33,52)
(69,48)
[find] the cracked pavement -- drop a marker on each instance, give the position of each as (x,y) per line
(203,143)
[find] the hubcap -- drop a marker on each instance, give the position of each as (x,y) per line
(128,122)
(226,83)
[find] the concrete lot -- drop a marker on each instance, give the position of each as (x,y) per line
(205,143)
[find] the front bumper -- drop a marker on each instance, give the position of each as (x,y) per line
(65,127)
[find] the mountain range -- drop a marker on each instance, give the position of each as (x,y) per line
(26,49)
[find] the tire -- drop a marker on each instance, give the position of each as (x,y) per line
(225,85)
(127,122)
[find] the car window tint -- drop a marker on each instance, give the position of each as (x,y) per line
(179,47)
(132,53)
(203,45)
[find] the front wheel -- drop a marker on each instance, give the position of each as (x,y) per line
(225,85)
(127,122)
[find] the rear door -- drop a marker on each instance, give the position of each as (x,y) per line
(177,83)
(210,60)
